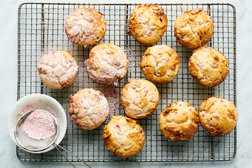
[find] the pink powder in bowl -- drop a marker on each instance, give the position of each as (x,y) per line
(30,107)
(39,125)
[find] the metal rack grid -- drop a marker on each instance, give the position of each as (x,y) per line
(41,29)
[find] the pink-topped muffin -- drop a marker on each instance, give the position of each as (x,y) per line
(85,27)
(88,109)
(57,69)
(107,64)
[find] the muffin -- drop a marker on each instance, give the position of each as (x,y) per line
(160,64)
(123,136)
(208,66)
(88,109)
(218,116)
(193,28)
(57,69)
(139,98)
(147,24)
(179,121)
(85,27)
(107,64)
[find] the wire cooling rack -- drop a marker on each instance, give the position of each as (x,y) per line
(41,29)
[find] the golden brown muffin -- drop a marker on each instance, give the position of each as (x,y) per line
(179,121)
(160,64)
(107,64)
(85,27)
(139,98)
(147,24)
(194,28)
(57,69)
(123,136)
(218,116)
(88,109)
(208,66)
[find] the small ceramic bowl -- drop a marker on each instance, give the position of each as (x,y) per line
(43,101)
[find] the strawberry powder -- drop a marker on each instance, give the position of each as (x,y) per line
(39,125)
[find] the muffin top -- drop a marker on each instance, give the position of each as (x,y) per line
(88,109)
(147,24)
(85,27)
(107,64)
(208,66)
(57,69)
(179,121)
(160,64)
(193,28)
(123,136)
(218,116)
(139,98)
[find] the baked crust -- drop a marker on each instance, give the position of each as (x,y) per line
(218,116)
(179,121)
(139,98)
(85,27)
(193,28)
(160,64)
(123,136)
(107,64)
(208,66)
(88,109)
(57,69)
(147,24)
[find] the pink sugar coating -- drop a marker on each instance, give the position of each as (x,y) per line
(39,125)
(30,107)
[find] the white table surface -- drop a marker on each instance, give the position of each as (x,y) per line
(8,86)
